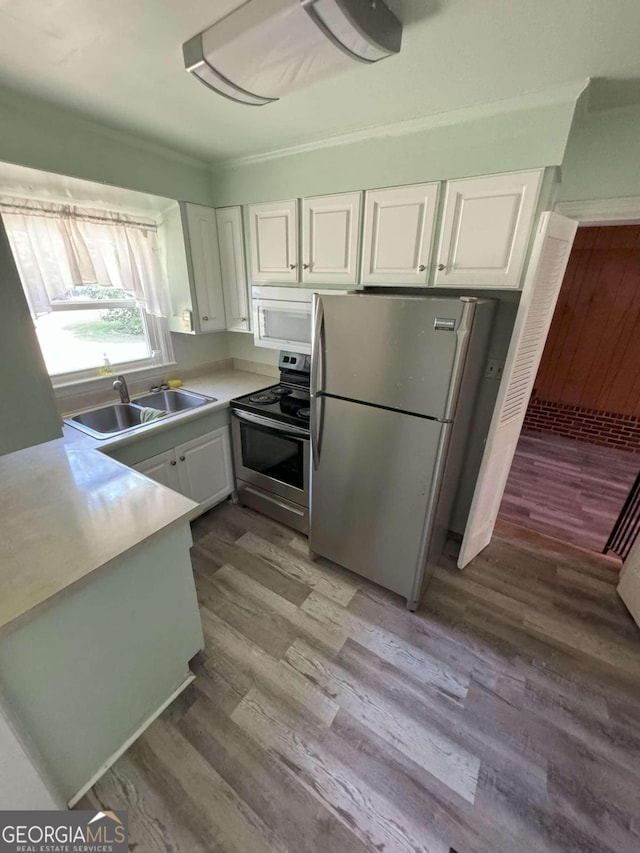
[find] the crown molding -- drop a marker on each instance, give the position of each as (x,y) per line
(567,93)
(601,210)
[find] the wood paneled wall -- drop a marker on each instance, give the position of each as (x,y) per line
(592,355)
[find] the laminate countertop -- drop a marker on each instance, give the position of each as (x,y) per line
(68,510)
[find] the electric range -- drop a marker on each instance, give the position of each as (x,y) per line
(270,433)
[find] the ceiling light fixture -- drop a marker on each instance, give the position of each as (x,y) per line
(266,48)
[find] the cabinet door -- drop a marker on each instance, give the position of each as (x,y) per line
(398,234)
(204,467)
(232,265)
(203,260)
(273,232)
(330,238)
(486,228)
(162,468)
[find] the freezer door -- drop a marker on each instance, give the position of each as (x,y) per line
(403,352)
(371,488)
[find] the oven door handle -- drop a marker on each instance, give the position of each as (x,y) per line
(293,431)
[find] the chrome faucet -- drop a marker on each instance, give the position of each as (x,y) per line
(120,385)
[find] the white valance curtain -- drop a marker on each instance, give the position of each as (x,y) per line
(59,247)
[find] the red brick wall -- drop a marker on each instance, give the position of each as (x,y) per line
(603,428)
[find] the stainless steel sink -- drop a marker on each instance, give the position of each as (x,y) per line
(172,401)
(108,419)
(121,417)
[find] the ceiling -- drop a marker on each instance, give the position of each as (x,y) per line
(121,62)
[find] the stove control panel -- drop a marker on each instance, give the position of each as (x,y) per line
(294,361)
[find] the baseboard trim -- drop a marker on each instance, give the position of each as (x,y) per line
(125,746)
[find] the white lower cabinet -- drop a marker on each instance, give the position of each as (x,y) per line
(162,468)
(200,469)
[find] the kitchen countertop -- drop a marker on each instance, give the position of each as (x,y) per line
(68,511)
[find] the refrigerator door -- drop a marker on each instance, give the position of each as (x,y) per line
(404,352)
(374,481)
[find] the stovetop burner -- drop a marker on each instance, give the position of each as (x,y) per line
(265,398)
(284,403)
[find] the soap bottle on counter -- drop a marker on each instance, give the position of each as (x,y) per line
(105,369)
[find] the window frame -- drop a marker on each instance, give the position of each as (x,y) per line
(156,330)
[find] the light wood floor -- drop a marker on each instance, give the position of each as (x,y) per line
(502,717)
(568,489)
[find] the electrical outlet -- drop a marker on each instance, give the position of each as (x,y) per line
(494,368)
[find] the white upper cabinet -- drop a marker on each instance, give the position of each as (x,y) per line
(232,265)
(485,230)
(273,233)
(398,234)
(330,238)
(203,262)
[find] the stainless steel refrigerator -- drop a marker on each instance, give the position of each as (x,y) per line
(393,385)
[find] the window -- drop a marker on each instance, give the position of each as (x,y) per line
(95,286)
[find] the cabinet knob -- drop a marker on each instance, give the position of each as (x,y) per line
(205,319)
(173,462)
(421,268)
(182,458)
(292,266)
(243,319)
(441,267)
(305,266)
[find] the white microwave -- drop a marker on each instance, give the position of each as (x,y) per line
(282,316)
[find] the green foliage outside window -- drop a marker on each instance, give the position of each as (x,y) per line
(126,321)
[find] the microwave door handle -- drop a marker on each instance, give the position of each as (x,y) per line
(317,346)
(294,432)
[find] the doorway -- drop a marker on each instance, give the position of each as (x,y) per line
(579,451)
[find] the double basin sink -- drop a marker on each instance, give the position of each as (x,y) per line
(112,420)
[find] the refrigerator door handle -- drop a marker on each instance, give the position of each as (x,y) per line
(317,414)
(317,346)
(463,335)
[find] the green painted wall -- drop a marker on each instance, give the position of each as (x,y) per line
(40,135)
(502,142)
(84,674)
(28,413)
(603,156)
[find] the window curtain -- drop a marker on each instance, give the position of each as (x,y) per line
(59,247)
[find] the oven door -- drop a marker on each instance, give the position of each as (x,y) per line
(271,455)
(281,324)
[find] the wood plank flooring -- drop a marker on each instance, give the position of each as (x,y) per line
(502,717)
(568,489)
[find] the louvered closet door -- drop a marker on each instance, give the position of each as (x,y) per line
(548,262)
